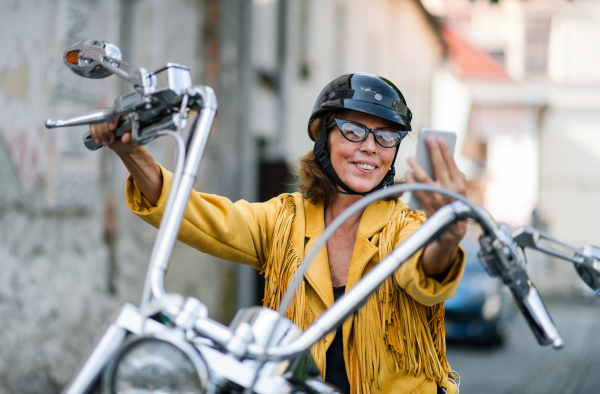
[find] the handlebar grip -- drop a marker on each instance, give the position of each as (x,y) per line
(122,127)
(533,309)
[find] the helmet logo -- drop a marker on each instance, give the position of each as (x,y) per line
(378,97)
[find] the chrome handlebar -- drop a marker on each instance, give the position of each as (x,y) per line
(501,256)
(160,103)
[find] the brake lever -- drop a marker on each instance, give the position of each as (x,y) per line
(98,116)
(502,258)
(122,105)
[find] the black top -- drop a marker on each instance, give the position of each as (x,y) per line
(336,368)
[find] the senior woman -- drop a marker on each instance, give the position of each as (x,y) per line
(395,343)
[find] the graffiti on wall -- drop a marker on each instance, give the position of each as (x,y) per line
(26,158)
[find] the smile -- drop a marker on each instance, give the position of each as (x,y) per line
(365,166)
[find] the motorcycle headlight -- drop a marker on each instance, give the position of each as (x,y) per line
(152,365)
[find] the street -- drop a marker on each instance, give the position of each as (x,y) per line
(521,366)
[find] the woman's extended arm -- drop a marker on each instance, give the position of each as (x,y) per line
(438,256)
(144,170)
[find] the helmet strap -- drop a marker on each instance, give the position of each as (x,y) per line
(322,156)
(389,178)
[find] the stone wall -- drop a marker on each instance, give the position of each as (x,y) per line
(70,251)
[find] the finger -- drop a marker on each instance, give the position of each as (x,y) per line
(104,133)
(460,183)
(422,197)
(126,138)
(127,141)
(420,175)
(100,132)
(438,160)
(410,178)
(455,174)
(457,180)
(112,124)
(448,158)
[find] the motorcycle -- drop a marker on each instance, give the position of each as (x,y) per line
(169,343)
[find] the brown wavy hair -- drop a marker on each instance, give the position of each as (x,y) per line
(314,184)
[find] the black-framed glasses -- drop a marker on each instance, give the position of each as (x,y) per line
(386,137)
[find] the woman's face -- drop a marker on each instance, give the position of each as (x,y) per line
(360,165)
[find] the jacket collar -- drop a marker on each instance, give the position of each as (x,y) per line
(374,218)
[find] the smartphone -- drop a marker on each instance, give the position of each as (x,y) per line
(422,154)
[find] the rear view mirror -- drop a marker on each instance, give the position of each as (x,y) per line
(86,57)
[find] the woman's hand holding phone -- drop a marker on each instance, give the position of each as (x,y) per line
(437,166)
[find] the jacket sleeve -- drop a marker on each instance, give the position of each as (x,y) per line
(425,289)
(238,232)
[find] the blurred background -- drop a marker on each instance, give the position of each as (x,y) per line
(519,81)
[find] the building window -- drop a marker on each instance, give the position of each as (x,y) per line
(537,36)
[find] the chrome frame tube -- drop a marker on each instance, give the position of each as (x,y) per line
(168,230)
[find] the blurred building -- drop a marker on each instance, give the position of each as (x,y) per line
(529,77)
(324,39)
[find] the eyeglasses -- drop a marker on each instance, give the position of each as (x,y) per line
(386,137)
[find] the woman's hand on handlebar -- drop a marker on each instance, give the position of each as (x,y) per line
(449,176)
(104,134)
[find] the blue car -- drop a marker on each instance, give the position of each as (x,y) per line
(479,311)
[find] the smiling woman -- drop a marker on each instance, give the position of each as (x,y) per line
(358,123)
(395,342)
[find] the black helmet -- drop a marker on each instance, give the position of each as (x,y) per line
(363,92)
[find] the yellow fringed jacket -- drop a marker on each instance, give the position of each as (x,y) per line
(393,344)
